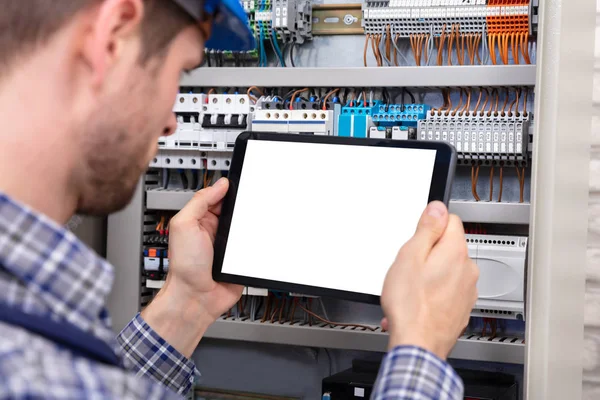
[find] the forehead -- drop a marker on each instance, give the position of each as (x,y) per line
(189,43)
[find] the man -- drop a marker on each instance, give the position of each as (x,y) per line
(86,89)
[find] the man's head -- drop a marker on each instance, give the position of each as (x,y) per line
(111,71)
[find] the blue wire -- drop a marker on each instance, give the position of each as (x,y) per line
(278,50)
(262,48)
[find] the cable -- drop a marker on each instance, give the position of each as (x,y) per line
(195,180)
(412,96)
(277,50)
(474,178)
(381,47)
(395,43)
(476,47)
(450,43)
(501,184)
(388,43)
(521,176)
(327,98)
(294,97)
(370,328)
(377,52)
(292,47)
(165,178)
(505,102)
(478,101)
(491,183)
(249,92)
(487,98)
(184,179)
(323,308)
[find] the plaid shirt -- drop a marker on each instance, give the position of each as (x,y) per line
(46,270)
(411,373)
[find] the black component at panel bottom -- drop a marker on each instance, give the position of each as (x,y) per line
(358,383)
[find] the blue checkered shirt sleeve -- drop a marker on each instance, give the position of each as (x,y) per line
(411,373)
(148,354)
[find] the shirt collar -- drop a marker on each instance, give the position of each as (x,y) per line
(49,261)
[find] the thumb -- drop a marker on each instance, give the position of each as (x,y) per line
(203,200)
(430,229)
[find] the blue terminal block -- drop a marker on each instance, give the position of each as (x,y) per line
(399,114)
(355,120)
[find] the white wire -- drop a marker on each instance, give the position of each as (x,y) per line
(323,308)
(430,45)
(400,52)
(382,48)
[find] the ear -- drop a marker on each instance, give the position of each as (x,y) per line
(114,27)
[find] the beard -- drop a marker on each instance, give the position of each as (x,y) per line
(118,143)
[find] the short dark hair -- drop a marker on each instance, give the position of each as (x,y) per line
(27,24)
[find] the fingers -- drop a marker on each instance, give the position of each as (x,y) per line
(452,242)
(210,223)
(385,324)
(430,229)
(204,200)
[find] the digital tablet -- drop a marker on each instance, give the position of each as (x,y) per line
(324,215)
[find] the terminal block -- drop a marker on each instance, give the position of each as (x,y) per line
(356,120)
(308,122)
(502,265)
(478,137)
(415,17)
(399,114)
(292,20)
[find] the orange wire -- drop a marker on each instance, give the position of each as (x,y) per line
(327,98)
(476,47)
(450,42)
(395,51)
(365,51)
(211,91)
(373,46)
(294,97)
(501,184)
(491,183)
(505,102)
(515,47)
(370,328)
(478,102)
(449,108)
(459,103)
(388,44)
(492,47)
(441,46)
(497,100)
(487,98)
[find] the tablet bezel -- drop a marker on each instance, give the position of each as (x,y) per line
(441,185)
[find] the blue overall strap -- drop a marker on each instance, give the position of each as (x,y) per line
(64,334)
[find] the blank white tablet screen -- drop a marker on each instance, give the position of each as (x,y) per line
(325,215)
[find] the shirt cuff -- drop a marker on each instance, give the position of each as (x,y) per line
(409,372)
(148,354)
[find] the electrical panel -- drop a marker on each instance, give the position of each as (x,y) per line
(271,89)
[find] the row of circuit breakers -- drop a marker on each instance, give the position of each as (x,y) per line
(208,126)
(501,261)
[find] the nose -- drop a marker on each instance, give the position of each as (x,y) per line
(171,126)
